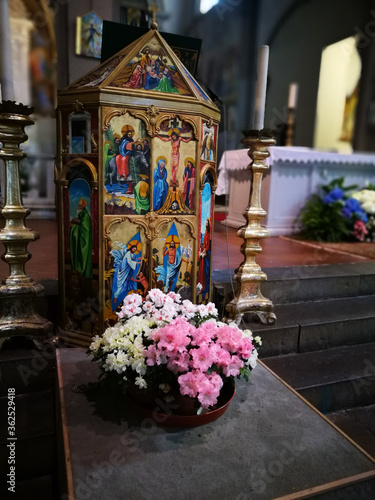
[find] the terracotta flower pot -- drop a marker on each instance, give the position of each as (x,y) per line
(182,412)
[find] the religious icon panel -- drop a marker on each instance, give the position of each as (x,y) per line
(172,259)
(208,145)
(174,173)
(205,239)
(81,261)
(126,264)
(127,166)
(152,69)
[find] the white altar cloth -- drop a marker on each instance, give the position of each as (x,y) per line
(295,174)
(239,160)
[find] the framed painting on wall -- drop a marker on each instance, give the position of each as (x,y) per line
(89,35)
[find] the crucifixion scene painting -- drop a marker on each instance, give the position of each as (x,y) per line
(174,171)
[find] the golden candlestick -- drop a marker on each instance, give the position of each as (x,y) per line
(249,275)
(18,291)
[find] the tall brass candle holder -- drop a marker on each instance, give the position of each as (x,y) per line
(18,291)
(248,298)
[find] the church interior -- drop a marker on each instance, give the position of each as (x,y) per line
(222,153)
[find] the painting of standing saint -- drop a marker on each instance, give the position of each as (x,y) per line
(80,235)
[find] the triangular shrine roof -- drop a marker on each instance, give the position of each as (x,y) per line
(148,65)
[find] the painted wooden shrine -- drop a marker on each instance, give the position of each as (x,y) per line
(136,176)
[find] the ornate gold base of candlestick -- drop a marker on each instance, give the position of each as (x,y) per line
(19,291)
(249,275)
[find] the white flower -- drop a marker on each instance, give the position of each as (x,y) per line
(252,361)
(96,343)
(139,366)
(116,362)
(176,297)
(247,333)
(188,309)
(203,310)
(156,296)
(141,382)
(258,340)
(212,309)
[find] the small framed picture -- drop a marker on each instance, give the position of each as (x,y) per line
(89,35)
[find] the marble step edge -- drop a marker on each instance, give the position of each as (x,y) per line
(354,364)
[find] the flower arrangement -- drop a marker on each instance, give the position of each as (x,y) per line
(165,343)
(339,213)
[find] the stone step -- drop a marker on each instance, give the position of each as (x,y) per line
(27,370)
(358,424)
(331,379)
(35,415)
(304,283)
(39,488)
(314,326)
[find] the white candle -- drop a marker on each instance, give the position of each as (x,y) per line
(293,94)
(260,96)
(6,70)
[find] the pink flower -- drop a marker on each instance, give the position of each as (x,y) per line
(203,334)
(245,348)
(360,230)
(174,337)
(179,363)
(209,389)
(233,369)
(229,337)
(155,356)
(220,356)
(189,384)
(202,358)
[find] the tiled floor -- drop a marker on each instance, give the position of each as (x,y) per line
(276,251)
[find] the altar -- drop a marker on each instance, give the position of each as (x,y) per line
(295,175)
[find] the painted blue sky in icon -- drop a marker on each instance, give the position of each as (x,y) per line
(78,189)
(206,206)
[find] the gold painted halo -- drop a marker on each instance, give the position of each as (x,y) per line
(161,158)
(192,161)
(175,130)
(126,128)
(135,243)
(172,237)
